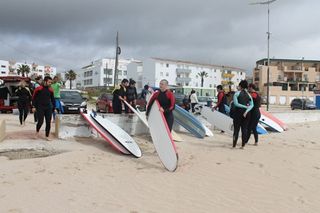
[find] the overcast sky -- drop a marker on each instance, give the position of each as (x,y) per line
(69,34)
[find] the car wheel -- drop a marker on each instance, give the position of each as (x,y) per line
(97,108)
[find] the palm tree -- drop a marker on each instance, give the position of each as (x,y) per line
(23,69)
(202,75)
(71,76)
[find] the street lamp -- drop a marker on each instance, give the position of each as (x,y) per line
(268,33)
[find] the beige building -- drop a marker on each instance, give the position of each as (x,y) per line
(288,79)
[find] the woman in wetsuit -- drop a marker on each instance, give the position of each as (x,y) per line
(242,105)
(131,95)
(119,94)
(255,113)
(166,100)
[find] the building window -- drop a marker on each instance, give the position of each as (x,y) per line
(240,73)
(3,66)
(161,73)
(187,84)
(167,74)
(210,85)
(167,65)
(125,72)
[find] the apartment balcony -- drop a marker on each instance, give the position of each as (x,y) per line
(183,71)
(182,80)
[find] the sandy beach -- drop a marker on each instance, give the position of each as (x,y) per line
(281,174)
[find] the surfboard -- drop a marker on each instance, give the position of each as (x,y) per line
(261,130)
(278,121)
(104,134)
(162,139)
(189,122)
(218,119)
(119,134)
(142,117)
(270,123)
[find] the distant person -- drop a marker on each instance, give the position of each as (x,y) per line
(193,100)
(166,100)
(243,103)
(255,113)
(144,92)
(44,104)
(131,95)
(119,94)
(222,100)
(186,102)
(56,85)
(24,101)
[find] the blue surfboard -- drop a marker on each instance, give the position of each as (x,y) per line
(189,122)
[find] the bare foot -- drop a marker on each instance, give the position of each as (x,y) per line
(36,136)
(48,139)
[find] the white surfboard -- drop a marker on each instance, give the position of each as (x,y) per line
(162,139)
(218,119)
(209,133)
(104,134)
(119,134)
(143,118)
(270,123)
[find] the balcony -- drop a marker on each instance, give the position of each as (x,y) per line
(183,71)
(182,80)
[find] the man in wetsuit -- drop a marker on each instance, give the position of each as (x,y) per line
(44,104)
(119,94)
(166,100)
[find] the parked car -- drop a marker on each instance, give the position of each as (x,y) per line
(104,103)
(299,103)
(204,100)
(72,101)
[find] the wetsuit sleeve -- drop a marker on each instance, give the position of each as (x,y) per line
(135,93)
(220,97)
(52,98)
(250,103)
(35,97)
(236,103)
(170,96)
(152,99)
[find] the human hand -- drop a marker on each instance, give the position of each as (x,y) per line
(161,109)
(33,109)
(245,114)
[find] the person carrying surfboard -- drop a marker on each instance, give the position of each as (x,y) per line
(166,100)
(119,94)
(255,113)
(243,103)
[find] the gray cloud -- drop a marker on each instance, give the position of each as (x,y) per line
(69,34)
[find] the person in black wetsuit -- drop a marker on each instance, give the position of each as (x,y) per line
(255,113)
(24,101)
(166,100)
(119,94)
(44,104)
(131,95)
(242,105)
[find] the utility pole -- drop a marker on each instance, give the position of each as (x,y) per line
(268,33)
(118,52)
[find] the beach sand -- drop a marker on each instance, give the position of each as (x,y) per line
(281,174)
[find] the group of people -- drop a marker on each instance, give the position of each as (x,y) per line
(45,102)
(43,97)
(244,110)
(127,91)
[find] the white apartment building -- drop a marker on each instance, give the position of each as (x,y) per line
(101,73)
(184,74)
(9,68)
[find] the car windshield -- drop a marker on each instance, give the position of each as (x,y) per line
(203,99)
(71,96)
(309,102)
